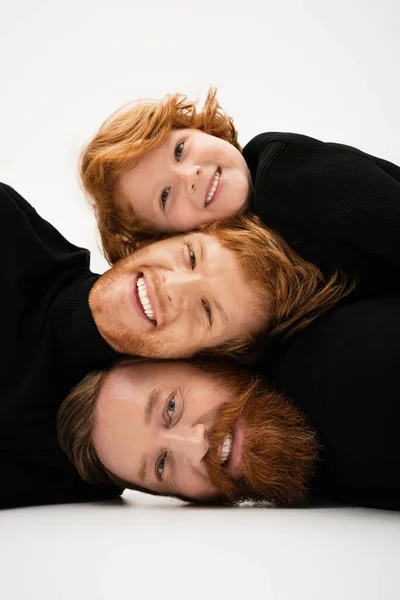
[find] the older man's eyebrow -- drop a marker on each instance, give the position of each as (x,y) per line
(148,413)
(150,404)
(143,469)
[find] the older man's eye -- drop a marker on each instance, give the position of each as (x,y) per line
(160,466)
(170,408)
(164,197)
(178,150)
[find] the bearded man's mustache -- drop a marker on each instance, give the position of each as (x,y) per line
(279,450)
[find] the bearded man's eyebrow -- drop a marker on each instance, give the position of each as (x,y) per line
(150,404)
(218,305)
(202,251)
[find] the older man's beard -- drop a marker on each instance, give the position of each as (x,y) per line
(278,454)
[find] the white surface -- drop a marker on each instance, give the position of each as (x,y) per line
(327,69)
(158,548)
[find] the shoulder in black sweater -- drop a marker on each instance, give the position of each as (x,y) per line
(342,371)
(49,342)
(335,205)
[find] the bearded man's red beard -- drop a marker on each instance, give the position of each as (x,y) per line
(279,450)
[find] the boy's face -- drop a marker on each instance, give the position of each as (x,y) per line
(191,179)
(176,297)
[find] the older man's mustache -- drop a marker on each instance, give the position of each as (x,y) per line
(278,455)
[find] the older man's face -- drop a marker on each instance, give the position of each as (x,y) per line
(177,429)
(175,298)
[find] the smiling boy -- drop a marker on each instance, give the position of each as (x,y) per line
(167,166)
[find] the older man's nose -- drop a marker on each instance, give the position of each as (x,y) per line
(191,442)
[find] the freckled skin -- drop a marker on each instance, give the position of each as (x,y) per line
(188,279)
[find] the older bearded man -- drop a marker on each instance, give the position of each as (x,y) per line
(206,433)
(202,431)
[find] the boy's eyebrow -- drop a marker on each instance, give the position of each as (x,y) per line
(150,404)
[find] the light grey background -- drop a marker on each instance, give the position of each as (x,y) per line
(326,69)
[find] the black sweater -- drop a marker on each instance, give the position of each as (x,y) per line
(335,205)
(342,371)
(50,342)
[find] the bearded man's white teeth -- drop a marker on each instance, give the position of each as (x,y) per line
(226,449)
(213,187)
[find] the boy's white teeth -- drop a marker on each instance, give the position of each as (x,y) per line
(144,299)
(226,449)
(213,187)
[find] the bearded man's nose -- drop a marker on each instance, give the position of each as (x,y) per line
(191,441)
(177,285)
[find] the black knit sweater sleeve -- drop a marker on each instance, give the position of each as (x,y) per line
(333,203)
(50,342)
(59,278)
(342,371)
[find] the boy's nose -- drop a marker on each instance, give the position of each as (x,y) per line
(190,178)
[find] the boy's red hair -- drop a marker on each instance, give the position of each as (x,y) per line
(117,147)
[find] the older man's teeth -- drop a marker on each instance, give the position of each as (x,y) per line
(226,450)
(144,299)
(213,187)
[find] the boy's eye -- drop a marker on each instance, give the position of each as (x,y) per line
(178,150)
(164,197)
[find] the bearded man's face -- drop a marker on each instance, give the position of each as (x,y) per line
(180,429)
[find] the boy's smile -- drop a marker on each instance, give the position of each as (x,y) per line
(191,179)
